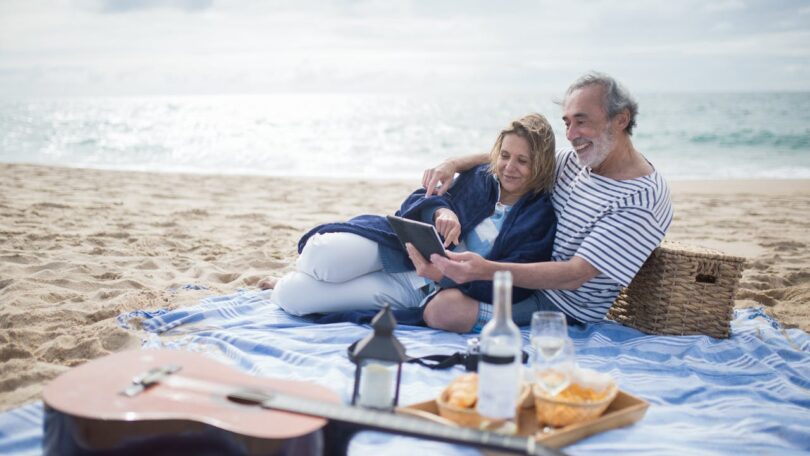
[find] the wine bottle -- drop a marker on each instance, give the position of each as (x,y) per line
(499,366)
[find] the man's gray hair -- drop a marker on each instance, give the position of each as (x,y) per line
(616,97)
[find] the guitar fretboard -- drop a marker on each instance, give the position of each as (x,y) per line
(398,424)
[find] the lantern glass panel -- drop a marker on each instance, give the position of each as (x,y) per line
(378,383)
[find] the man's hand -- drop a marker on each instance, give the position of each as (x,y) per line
(447,225)
(442,174)
(423,267)
(462,267)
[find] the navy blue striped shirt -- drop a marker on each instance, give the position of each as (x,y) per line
(612,224)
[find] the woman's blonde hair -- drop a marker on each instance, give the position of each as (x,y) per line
(536,130)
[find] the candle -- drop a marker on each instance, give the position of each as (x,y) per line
(377,385)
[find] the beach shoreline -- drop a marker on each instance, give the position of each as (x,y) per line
(81,246)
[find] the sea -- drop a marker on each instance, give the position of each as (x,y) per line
(380,136)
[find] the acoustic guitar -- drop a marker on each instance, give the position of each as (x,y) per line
(172,402)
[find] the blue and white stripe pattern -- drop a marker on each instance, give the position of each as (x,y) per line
(614,225)
(21,430)
(744,395)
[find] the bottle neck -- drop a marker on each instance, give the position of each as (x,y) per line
(502,297)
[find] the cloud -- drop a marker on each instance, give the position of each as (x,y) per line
(722,26)
(181,46)
(724,6)
(124,6)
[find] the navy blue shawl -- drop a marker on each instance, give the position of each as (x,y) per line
(527,234)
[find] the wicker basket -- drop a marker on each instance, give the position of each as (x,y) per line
(681,289)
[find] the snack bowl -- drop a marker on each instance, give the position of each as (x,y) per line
(575,404)
(463,416)
(464,412)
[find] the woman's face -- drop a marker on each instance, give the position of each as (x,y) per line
(514,165)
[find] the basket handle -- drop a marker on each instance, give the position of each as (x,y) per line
(707,271)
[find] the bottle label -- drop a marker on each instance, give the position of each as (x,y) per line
(497,388)
(495,359)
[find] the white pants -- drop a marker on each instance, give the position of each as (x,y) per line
(342,271)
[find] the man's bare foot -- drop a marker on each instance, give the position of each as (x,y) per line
(267,283)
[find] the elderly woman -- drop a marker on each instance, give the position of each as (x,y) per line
(501,211)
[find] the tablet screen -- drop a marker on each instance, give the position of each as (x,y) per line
(423,236)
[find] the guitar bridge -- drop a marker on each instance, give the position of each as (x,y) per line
(142,381)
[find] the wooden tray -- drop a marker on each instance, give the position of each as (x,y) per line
(624,410)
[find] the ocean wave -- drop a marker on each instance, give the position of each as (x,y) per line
(385,136)
(749,137)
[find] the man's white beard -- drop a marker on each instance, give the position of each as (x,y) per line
(598,151)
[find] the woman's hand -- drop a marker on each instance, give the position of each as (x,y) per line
(439,175)
(424,268)
(447,225)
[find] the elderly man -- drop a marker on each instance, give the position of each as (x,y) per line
(613,209)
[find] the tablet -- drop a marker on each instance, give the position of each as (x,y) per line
(423,236)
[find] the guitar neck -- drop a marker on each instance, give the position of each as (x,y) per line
(396,424)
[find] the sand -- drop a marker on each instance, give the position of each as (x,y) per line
(79,247)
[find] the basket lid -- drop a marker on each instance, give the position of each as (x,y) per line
(679,248)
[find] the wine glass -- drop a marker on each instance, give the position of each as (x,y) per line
(553,351)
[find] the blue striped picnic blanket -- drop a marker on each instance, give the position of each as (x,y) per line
(749,394)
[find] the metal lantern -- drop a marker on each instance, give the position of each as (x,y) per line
(378,358)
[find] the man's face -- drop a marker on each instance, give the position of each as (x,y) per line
(587,126)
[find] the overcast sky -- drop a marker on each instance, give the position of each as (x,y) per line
(132,47)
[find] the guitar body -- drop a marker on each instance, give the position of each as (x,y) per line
(188,412)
